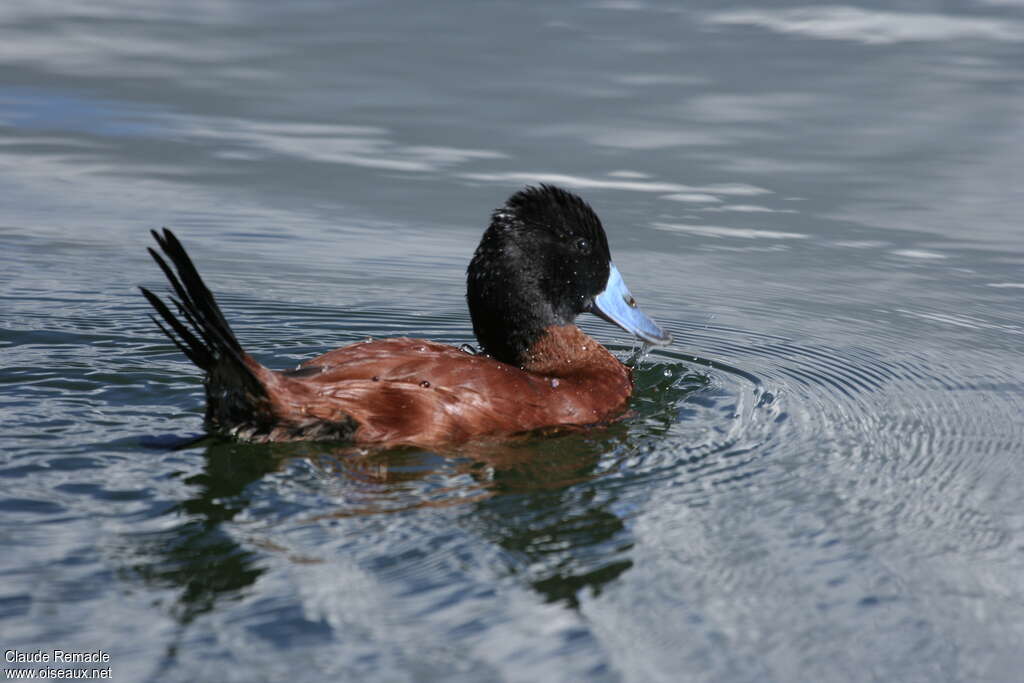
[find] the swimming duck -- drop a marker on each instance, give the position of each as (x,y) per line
(543,260)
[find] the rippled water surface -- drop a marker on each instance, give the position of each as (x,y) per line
(821,479)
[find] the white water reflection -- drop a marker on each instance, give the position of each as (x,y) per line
(919,254)
(582,182)
(871,27)
(692,197)
(647,137)
(745,208)
(363,146)
(721,231)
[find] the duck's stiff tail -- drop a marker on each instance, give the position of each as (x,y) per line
(236,398)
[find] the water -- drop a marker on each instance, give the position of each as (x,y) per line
(820,480)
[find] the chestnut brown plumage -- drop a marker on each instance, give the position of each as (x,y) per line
(543,260)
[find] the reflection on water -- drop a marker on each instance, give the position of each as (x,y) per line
(560,545)
(819,479)
(198,559)
(873,27)
(525,494)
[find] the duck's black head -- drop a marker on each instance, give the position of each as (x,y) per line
(543,261)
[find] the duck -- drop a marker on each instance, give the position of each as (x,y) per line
(543,260)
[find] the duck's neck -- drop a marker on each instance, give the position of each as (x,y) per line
(564,350)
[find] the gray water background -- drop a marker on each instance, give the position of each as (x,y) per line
(821,480)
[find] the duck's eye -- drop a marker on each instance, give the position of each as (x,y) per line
(582,245)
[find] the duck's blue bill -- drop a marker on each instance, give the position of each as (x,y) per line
(616,305)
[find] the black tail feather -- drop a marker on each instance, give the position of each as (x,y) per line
(197,352)
(194,295)
(201,333)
